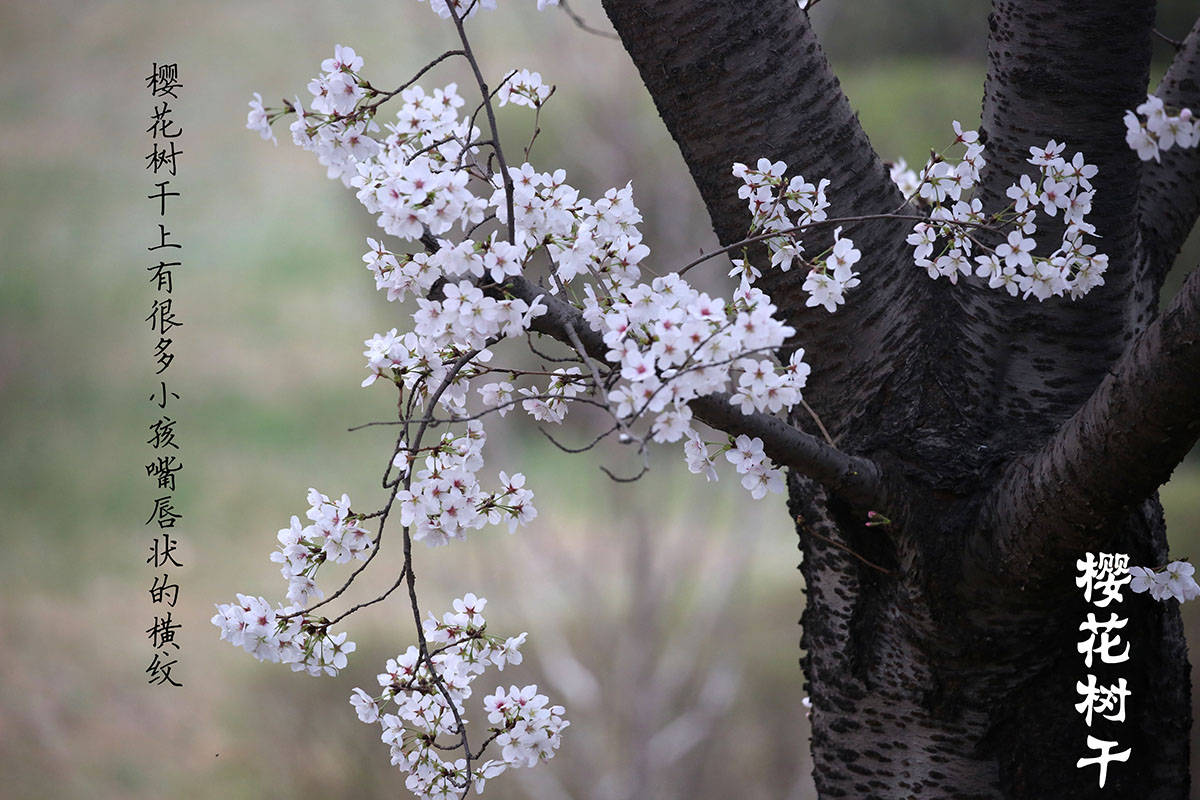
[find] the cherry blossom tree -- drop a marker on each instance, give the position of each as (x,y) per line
(963,371)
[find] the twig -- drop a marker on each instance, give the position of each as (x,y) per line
(537,115)
(645,468)
(379,599)
(435,422)
(1176,43)
(544,356)
(385,96)
(423,648)
(817,420)
(573,450)
(578,20)
(497,149)
(762,237)
(850,551)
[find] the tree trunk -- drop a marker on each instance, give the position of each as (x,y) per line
(941,650)
(925,684)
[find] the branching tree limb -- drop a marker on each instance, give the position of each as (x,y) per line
(779,99)
(1116,450)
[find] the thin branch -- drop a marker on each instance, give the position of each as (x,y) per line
(496,148)
(385,96)
(379,599)
(488,96)
(573,336)
(872,565)
(395,486)
(566,449)
(582,25)
(817,420)
(537,116)
(825,223)
(350,578)
(1176,43)
(451,138)
(632,479)
(423,648)
(471,231)
(486,742)
(435,422)
(546,357)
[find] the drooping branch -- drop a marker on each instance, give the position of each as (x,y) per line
(735,82)
(1170,190)
(1115,451)
(855,479)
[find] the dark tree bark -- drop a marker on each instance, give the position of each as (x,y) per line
(1003,438)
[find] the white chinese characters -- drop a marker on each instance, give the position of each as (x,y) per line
(1102,576)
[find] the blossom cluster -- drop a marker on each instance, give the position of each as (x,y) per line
(288,634)
(336,91)
(465,317)
(674,343)
(444,500)
(259,121)
(941,180)
(748,459)
(772,200)
(949,243)
(1151,130)
(335,535)
(523,88)
(414,179)
(1174,580)
(421,707)
(581,236)
(282,635)
(331,128)
(668,343)
(660,333)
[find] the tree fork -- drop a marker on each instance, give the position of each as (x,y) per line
(937,677)
(735,82)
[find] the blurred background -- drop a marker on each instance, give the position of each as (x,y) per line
(662,614)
